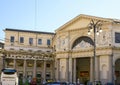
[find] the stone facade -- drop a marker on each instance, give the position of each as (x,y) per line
(30,52)
(74,47)
(71,52)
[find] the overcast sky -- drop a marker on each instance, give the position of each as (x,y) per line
(48,15)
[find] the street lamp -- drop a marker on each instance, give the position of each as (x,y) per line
(95,28)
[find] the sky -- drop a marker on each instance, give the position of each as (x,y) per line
(49,15)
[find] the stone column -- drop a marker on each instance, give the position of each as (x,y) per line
(24,68)
(2,61)
(58,69)
(74,70)
(34,69)
(14,65)
(97,68)
(44,71)
(113,70)
(53,68)
(110,72)
(91,69)
(70,69)
(67,69)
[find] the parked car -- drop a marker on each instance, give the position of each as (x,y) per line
(71,83)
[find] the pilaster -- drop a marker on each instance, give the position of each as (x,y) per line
(74,70)
(14,65)
(44,71)
(110,71)
(34,70)
(91,70)
(70,69)
(24,68)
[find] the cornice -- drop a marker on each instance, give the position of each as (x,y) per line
(27,53)
(85,50)
(116,48)
(29,31)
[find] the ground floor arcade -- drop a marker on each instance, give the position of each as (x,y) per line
(71,69)
(80,69)
(29,66)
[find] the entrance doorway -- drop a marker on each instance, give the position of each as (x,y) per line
(20,76)
(83,70)
(117,72)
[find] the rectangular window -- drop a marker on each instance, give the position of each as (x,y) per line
(12,39)
(48,65)
(117,37)
(48,75)
(39,41)
(39,65)
(30,41)
(38,75)
(21,39)
(48,42)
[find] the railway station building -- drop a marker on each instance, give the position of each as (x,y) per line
(69,54)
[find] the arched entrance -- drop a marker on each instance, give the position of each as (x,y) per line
(117,72)
(83,62)
(83,69)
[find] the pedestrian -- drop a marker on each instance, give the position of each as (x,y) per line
(29,79)
(78,81)
(24,80)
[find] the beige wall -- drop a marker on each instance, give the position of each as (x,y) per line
(26,36)
(65,37)
(105,41)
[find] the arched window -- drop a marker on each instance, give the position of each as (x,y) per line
(83,42)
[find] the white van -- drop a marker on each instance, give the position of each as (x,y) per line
(9,76)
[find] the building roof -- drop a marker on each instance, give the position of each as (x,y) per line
(30,31)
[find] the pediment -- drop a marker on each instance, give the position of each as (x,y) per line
(81,21)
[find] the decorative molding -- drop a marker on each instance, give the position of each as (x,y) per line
(28,55)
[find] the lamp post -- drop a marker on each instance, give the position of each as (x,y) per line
(95,28)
